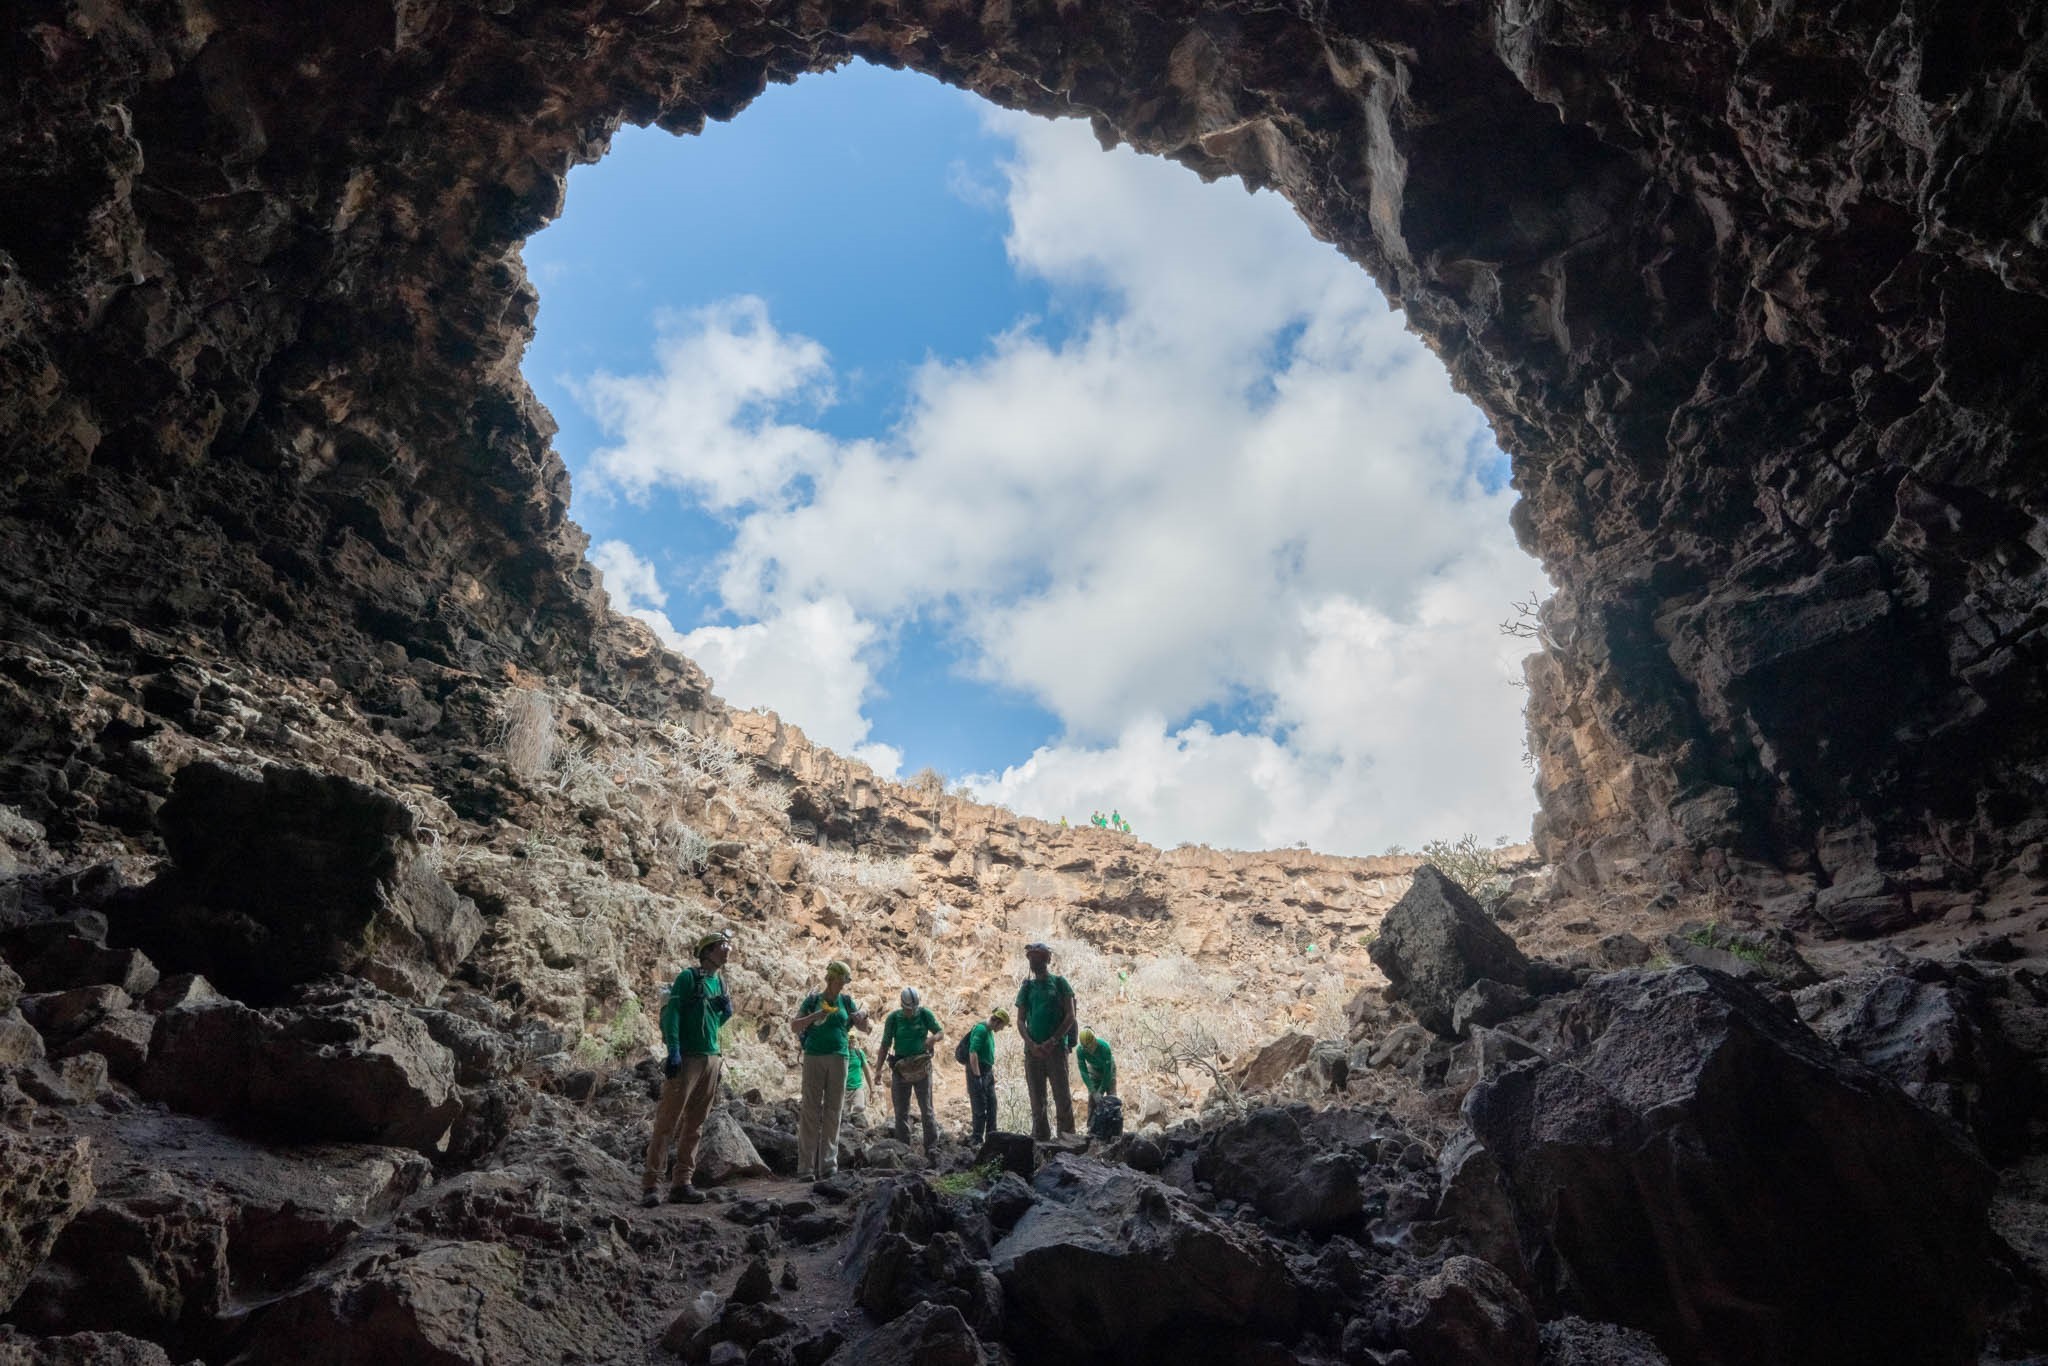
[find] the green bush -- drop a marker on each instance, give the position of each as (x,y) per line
(974,1178)
(1465,861)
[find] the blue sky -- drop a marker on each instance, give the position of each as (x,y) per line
(962,443)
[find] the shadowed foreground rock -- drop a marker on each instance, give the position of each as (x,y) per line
(285,876)
(44,1183)
(1109,1259)
(1701,1166)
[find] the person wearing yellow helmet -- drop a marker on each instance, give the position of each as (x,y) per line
(821,1023)
(696,1008)
(978,1052)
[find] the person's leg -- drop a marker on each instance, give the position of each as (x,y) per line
(1062,1091)
(899,1100)
(978,1105)
(703,1073)
(668,1112)
(1091,1112)
(1034,1085)
(828,1121)
(924,1110)
(809,1109)
(988,1091)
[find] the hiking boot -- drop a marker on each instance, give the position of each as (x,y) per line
(806,1176)
(649,1199)
(686,1194)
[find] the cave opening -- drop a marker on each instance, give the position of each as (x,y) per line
(968,446)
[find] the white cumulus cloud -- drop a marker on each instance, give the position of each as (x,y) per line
(1235,488)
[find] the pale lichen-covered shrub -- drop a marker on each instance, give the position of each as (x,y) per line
(526,730)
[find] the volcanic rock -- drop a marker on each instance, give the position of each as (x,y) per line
(283,876)
(1266,1160)
(929,1335)
(1468,1312)
(44,1183)
(1437,942)
(1703,1168)
(1109,1258)
(361,1070)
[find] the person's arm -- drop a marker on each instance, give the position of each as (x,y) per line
(932,1025)
(1067,1021)
(888,1040)
(805,1019)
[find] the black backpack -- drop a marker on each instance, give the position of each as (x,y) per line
(1108,1120)
(960,1049)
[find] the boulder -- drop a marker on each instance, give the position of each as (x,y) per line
(61,1016)
(281,876)
(57,955)
(1437,941)
(1935,1032)
(19,1041)
(179,989)
(443,1303)
(1575,1342)
(80,1349)
(929,1335)
(1271,1064)
(44,1183)
(900,1274)
(1487,1002)
(1468,1312)
(1108,1260)
(725,1153)
(11,986)
(357,1070)
(1267,1161)
(152,1265)
(1702,1167)
(121,1037)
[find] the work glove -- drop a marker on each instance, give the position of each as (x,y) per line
(722,1002)
(674,1063)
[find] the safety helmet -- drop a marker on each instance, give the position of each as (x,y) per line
(909,997)
(1087,1038)
(837,968)
(1001,1018)
(708,942)
(1038,946)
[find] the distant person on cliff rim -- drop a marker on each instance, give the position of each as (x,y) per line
(821,1022)
(1123,983)
(978,1052)
(1045,1020)
(907,1033)
(696,1009)
(1098,1070)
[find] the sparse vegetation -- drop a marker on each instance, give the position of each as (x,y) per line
(1466,861)
(1711,936)
(526,729)
(843,868)
(974,1178)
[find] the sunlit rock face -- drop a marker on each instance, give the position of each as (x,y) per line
(1754,299)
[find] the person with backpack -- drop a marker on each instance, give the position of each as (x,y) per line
(821,1022)
(1045,1021)
(1098,1074)
(697,1007)
(907,1035)
(977,1052)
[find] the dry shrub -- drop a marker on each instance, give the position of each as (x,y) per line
(840,868)
(526,730)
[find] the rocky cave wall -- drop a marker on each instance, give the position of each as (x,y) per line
(1752,294)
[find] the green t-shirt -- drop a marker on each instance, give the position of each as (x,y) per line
(1098,1065)
(981,1042)
(905,1032)
(828,1036)
(689,1019)
(856,1069)
(1042,1006)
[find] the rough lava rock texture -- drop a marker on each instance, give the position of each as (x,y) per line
(44,1183)
(1753,298)
(1696,1163)
(1436,943)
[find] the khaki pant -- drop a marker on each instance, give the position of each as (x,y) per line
(900,1094)
(817,1116)
(857,1103)
(1049,1071)
(679,1118)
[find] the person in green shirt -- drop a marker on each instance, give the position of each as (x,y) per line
(907,1034)
(981,1075)
(1045,1020)
(857,1083)
(696,1008)
(1098,1069)
(821,1022)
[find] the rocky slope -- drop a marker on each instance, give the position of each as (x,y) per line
(344,836)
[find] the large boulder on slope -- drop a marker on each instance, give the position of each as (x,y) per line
(1267,1161)
(1699,1165)
(1436,942)
(44,1183)
(355,1070)
(282,876)
(1110,1260)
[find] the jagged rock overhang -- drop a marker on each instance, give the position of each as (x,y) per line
(1753,301)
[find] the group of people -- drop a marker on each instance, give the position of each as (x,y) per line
(835,1071)
(1113,821)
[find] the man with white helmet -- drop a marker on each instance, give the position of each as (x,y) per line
(907,1034)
